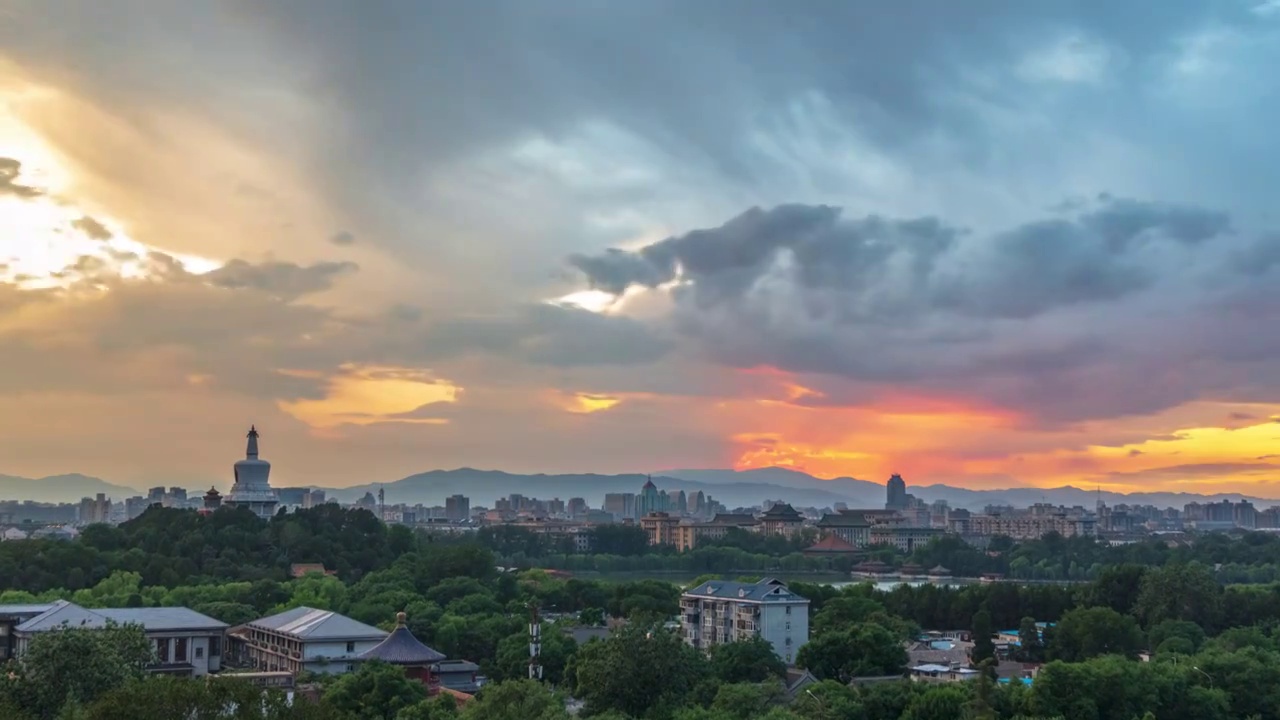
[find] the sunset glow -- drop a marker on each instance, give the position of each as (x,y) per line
(1007,260)
(364,395)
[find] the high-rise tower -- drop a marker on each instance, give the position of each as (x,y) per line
(896,493)
(252,488)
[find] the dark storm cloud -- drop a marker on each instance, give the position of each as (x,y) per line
(91,228)
(549,335)
(1120,308)
(404,90)
(10,169)
(873,269)
(283,279)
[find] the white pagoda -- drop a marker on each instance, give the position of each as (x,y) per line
(252,488)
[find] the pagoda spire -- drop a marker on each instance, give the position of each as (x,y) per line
(251,452)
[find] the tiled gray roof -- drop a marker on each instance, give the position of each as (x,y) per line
(311,624)
(402,648)
(767,590)
(159,619)
(151,619)
(62,613)
(24,609)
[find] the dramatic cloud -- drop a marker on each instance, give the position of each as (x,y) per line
(92,228)
(1035,317)
(976,242)
(10,169)
(283,279)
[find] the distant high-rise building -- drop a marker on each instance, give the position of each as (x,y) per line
(178,495)
(577,507)
(896,493)
(155,495)
(681,503)
(620,505)
(457,508)
(698,503)
(95,510)
(650,500)
(518,502)
(135,506)
(317,498)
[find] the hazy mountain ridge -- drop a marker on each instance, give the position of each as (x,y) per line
(731,487)
(485,486)
(68,488)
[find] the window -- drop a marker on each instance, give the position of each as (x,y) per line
(788,609)
(180,650)
(788,641)
(199,653)
(788,658)
(788,624)
(215,646)
(351,647)
(162,650)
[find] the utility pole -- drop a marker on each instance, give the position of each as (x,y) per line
(535,642)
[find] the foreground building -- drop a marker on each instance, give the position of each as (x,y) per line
(401,648)
(718,611)
(186,642)
(319,641)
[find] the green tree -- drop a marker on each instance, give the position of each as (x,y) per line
(170,697)
(938,702)
(983,646)
(1030,649)
(750,661)
(1084,633)
(636,669)
(748,699)
(1192,633)
(1180,592)
(512,662)
(861,651)
(376,691)
(78,665)
(440,707)
(516,700)
(841,612)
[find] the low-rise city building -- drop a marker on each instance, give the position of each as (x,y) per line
(319,641)
(718,611)
(186,642)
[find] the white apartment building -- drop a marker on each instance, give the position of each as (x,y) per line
(320,641)
(719,611)
(185,641)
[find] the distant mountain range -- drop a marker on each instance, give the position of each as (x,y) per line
(59,488)
(731,487)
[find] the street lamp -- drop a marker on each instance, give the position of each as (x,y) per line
(1197,669)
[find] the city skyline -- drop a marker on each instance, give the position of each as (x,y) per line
(1037,254)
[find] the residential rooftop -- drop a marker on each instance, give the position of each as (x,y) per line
(313,625)
(766,590)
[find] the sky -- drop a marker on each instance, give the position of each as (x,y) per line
(985,244)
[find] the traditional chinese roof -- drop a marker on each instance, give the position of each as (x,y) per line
(832,544)
(781,511)
(402,648)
